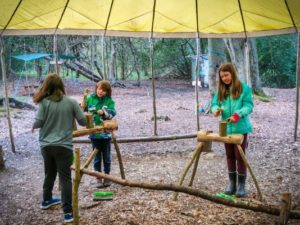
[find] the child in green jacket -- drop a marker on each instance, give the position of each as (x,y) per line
(233,101)
(102,106)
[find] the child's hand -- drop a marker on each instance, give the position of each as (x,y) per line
(100,112)
(86,92)
(234,118)
(217,112)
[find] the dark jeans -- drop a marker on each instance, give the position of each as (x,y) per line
(234,158)
(58,159)
(103,145)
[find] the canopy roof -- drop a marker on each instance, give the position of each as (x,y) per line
(162,18)
(33,56)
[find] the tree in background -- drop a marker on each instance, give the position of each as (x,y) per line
(277,60)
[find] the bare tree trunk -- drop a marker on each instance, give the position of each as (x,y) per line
(254,68)
(3,69)
(216,56)
(235,48)
(112,77)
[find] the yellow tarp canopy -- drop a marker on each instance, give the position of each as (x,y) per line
(166,18)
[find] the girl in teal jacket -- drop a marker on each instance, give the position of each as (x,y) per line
(233,102)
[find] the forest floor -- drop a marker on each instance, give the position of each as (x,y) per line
(272,153)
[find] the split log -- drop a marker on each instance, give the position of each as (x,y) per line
(108,125)
(204,136)
(2,165)
(256,207)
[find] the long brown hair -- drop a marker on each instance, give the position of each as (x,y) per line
(105,86)
(52,88)
(236,86)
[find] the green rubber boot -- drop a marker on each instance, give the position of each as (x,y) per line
(241,192)
(231,187)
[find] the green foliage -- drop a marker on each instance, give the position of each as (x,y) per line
(277,60)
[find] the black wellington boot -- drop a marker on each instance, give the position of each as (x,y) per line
(231,187)
(241,192)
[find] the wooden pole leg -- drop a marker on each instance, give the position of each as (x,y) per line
(76,186)
(285,207)
(118,154)
(196,164)
(181,179)
(250,170)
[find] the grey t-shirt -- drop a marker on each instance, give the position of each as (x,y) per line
(55,120)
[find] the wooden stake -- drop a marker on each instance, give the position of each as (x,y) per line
(285,207)
(118,154)
(3,66)
(297,87)
(2,164)
(76,182)
(251,171)
(153,86)
(181,179)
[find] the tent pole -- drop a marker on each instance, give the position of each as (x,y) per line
(197,67)
(55,53)
(152,68)
(297,87)
(153,85)
(103,41)
(297,70)
(55,50)
(103,57)
(197,82)
(3,66)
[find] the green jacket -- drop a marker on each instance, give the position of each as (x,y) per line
(93,104)
(243,106)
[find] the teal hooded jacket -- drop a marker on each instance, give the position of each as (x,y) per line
(242,106)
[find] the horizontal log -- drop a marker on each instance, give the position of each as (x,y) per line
(108,125)
(204,136)
(269,209)
(145,139)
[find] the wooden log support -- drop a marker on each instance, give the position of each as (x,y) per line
(76,182)
(237,139)
(146,139)
(181,179)
(254,206)
(91,157)
(118,154)
(251,171)
(204,136)
(285,207)
(108,125)
(196,164)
